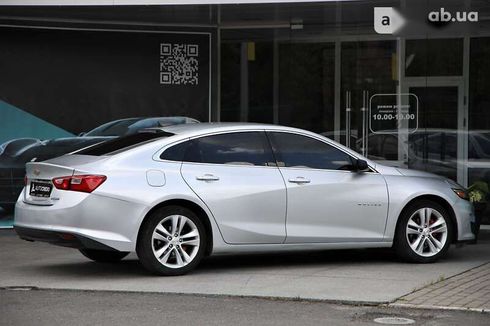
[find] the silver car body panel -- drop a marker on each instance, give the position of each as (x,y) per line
(334,206)
(250,208)
(248,201)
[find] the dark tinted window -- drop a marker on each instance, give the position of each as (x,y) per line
(480,145)
(431,57)
(243,148)
(304,152)
(176,152)
(123,143)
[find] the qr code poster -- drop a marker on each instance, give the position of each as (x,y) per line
(179,64)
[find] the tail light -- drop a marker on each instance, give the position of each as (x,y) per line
(82,183)
(25,180)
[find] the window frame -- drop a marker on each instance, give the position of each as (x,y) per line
(156,156)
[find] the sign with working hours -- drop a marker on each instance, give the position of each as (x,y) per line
(390,113)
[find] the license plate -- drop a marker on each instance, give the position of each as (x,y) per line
(40,189)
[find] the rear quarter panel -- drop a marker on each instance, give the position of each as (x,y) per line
(127,181)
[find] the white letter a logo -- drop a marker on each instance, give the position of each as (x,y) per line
(387,20)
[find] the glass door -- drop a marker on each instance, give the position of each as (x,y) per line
(425,129)
(367,68)
(437,145)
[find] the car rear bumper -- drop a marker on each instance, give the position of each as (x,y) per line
(60,238)
(108,221)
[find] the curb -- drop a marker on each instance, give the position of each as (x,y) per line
(429,307)
(269,298)
(206,295)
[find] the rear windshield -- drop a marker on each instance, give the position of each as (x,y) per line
(124,143)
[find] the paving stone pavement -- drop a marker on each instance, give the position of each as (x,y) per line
(469,290)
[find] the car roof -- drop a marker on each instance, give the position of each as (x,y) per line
(211,127)
(185,131)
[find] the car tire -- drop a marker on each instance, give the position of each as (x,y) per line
(424,232)
(104,256)
(171,241)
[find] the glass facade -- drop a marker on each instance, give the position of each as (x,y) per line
(324,68)
(416,99)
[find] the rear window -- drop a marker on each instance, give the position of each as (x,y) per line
(176,152)
(124,143)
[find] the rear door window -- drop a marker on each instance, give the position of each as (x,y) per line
(238,148)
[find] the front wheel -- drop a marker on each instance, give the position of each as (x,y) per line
(172,241)
(424,232)
(103,256)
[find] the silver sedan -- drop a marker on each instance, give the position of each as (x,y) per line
(177,194)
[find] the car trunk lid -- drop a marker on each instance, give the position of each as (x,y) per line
(40,189)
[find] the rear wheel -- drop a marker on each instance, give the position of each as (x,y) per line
(104,256)
(424,232)
(172,241)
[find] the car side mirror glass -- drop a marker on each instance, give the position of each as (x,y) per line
(361,165)
(81,134)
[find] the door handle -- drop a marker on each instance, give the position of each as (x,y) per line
(299,180)
(207,177)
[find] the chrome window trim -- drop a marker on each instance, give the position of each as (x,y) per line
(156,156)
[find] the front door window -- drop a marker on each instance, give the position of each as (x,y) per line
(297,151)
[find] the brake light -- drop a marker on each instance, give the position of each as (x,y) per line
(82,183)
(25,180)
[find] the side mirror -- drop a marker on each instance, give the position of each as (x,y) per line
(81,134)
(360,165)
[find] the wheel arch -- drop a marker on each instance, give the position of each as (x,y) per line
(439,200)
(198,210)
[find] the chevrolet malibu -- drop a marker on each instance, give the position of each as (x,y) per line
(179,193)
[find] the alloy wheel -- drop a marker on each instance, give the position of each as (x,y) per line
(426,232)
(175,241)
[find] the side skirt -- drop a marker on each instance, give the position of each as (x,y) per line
(290,247)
